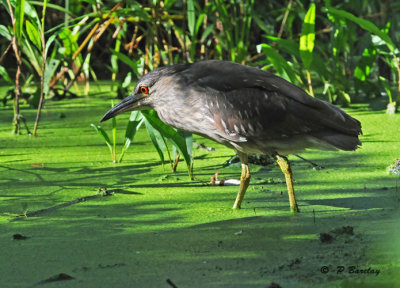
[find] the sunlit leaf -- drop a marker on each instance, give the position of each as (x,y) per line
(33,34)
(363,68)
(31,14)
(86,64)
(19,19)
(307,37)
(199,22)
(49,42)
(49,72)
(52,6)
(69,42)
(279,63)
(191,16)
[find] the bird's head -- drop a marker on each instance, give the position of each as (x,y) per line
(152,89)
(141,98)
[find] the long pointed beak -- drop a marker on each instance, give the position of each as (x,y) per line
(126,104)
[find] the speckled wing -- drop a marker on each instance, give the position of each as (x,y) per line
(248,103)
(254,113)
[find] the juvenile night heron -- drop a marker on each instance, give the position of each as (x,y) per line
(246,109)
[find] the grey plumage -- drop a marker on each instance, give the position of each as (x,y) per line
(245,108)
(285,112)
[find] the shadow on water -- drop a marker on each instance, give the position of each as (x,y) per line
(154,243)
(46,186)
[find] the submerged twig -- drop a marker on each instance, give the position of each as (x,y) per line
(315,165)
(69,203)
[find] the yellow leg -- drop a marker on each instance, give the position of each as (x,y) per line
(244,180)
(287,171)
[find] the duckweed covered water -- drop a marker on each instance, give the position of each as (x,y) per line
(159,228)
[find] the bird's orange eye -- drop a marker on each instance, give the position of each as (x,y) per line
(144,89)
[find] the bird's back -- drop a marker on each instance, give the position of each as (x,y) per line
(256,111)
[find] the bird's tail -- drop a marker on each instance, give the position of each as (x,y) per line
(339,140)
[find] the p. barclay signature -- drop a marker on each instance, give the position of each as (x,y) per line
(350,270)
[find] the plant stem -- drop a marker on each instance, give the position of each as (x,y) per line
(17,127)
(396,61)
(176,162)
(17,52)
(43,69)
(285,16)
(310,88)
(185,31)
(114,135)
(5,52)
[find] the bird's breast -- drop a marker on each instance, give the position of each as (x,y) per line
(190,117)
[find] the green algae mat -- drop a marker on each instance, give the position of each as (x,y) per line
(69,217)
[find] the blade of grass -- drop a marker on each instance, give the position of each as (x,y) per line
(104,135)
(52,6)
(19,20)
(135,121)
(189,145)
(157,139)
